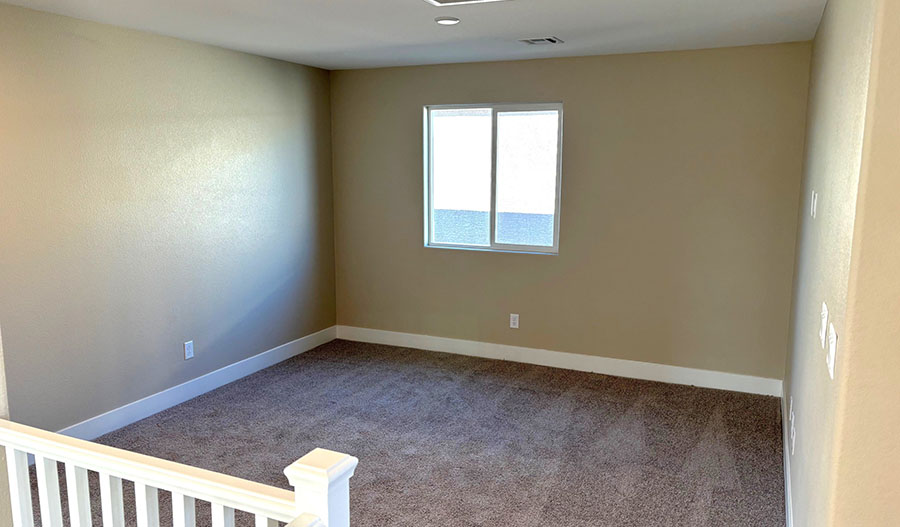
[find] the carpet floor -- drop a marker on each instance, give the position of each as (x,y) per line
(452,440)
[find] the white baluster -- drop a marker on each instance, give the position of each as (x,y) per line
(222,516)
(19,487)
(112,504)
(79,496)
(263,521)
(184,512)
(146,501)
(321,481)
(48,491)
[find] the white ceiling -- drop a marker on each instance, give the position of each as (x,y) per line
(345,34)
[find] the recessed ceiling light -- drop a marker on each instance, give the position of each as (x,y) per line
(447,20)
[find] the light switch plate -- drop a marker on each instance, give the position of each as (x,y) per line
(793,438)
(832,350)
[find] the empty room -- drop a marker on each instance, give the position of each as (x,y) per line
(510,263)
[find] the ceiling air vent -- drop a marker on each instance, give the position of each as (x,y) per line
(444,3)
(543,41)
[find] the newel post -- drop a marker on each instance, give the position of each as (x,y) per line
(321,481)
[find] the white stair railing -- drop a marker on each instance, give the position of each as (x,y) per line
(321,496)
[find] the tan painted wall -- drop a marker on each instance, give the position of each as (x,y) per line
(837,109)
(867,482)
(152,191)
(681,182)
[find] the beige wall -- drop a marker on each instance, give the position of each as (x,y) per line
(867,481)
(837,110)
(152,191)
(681,182)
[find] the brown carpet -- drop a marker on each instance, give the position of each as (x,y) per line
(452,440)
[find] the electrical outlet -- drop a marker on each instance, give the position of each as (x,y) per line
(814,204)
(514,321)
(823,328)
(189,350)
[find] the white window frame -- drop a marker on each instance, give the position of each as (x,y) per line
(429,177)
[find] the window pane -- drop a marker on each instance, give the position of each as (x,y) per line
(461,174)
(527,149)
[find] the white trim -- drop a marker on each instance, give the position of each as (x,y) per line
(150,405)
(125,415)
(785,425)
(156,473)
(493,213)
(570,361)
(496,109)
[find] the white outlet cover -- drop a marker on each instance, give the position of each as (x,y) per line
(189,350)
(832,350)
(824,327)
(513,321)
(814,204)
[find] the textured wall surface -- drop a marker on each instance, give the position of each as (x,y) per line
(867,487)
(837,115)
(681,182)
(152,191)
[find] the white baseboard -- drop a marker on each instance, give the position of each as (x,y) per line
(785,426)
(132,412)
(114,419)
(570,361)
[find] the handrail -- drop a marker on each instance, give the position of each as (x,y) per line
(203,484)
(236,493)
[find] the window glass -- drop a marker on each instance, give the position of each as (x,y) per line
(527,148)
(461,192)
